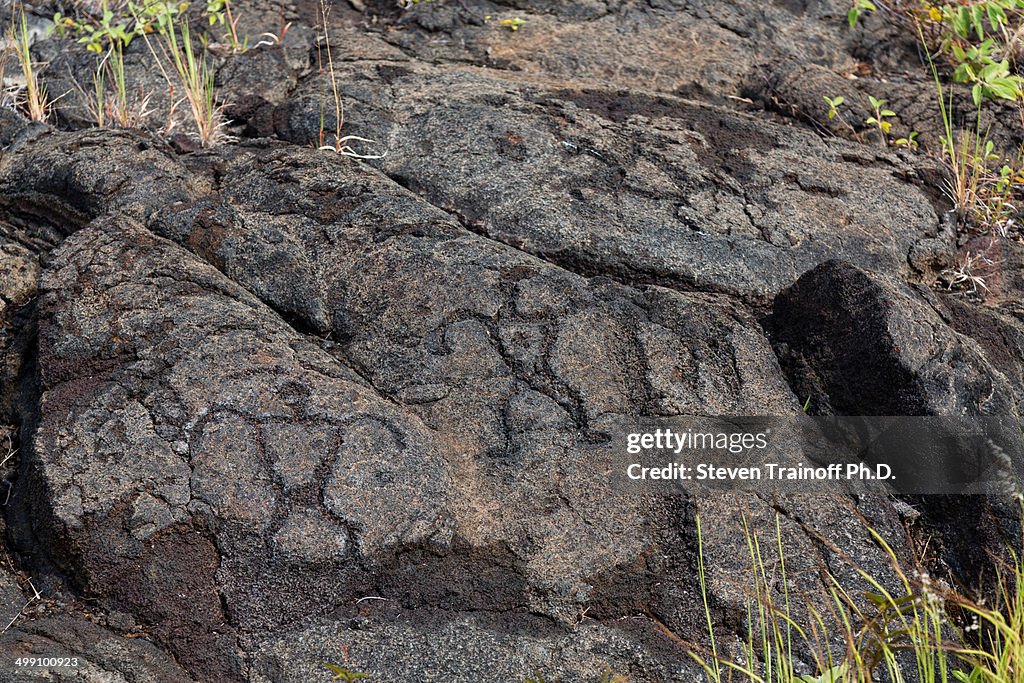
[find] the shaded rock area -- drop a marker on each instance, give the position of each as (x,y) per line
(271,407)
(863,345)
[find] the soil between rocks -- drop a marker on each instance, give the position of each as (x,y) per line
(277,407)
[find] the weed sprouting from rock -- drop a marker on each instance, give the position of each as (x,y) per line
(34,99)
(977,45)
(342,674)
(192,69)
(902,631)
(340,144)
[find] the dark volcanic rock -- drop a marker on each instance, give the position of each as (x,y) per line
(651,189)
(202,466)
(469,649)
(164,440)
(279,407)
(19,279)
(68,180)
(674,46)
(32,625)
(98,654)
(864,345)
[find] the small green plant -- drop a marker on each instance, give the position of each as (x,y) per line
(342,674)
(990,78)
(513,24)
(834,114)
(99,34)
(219,13)
(835,674)
(909,141)
(880,117)
(859,7)
(833,106)
(976,676)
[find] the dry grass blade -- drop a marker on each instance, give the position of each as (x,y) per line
(119,108)
(192,70)
(963,276)
(8,93)
(36,595)
(341,142)
(341,147)
(35,101)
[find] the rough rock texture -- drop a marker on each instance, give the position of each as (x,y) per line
(98,654)
(278,407)
(648,188)
(864,345)
(19,279)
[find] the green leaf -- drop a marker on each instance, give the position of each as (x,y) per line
(344,674)
(977,16)
(960,22)
(996,16)
(879,601)
(992,71)
(833,675)
(1003,90)
(976,93)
